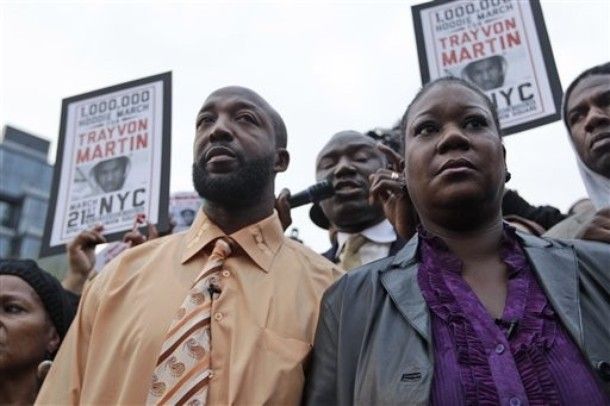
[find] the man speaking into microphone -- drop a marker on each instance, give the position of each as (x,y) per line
(361,233)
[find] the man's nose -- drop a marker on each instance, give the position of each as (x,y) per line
(596,117)
(221,130)
(344,166)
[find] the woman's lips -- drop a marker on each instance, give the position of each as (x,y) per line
(456,166)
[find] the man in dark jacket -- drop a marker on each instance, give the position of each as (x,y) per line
(363,234)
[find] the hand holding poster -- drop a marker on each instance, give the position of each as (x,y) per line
(499,45)
(183,208)
(112,161)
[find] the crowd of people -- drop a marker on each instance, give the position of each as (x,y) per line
(440,285)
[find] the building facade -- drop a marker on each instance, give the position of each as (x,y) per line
(25,185)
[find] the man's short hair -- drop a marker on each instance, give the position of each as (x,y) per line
(603,69)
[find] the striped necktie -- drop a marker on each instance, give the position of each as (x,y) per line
(183,369)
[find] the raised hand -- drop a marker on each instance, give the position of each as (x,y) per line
(388,187)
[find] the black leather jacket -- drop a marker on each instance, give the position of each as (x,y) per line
(373,342)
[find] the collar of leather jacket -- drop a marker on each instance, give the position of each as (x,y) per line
(559,281)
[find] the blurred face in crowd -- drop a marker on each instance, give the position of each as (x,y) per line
(588,118)
(188,216)
(347,161)
(26,331)
(110,174)
(235,151)
(487,73)
(453,153)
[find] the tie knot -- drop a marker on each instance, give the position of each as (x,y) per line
(222,249)
(354,242)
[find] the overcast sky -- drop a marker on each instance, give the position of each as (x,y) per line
(324,67)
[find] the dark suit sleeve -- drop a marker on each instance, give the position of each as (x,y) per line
(321,378)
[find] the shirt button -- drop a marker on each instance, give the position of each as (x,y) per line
(500,350)
(218,316)
(226,273)
(515,402)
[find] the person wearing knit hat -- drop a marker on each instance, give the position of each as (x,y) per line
(35,313)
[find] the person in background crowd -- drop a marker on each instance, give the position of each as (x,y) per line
(469,311)
(524,225)
(363,233)
(581,205)
(35,314)
(586,114)
(545,216)
(221,314)
(188,216)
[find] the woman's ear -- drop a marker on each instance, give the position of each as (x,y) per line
(282,159)
(53,340)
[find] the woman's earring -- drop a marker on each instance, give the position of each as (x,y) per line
(508,176)
(43,369)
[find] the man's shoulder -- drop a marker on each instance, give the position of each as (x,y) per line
(569,227)
(137,259)
(309,258)
(302,251)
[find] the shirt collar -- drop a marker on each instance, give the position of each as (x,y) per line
(433,247)
(380,233)
(261,241)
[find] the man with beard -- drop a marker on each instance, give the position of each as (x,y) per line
(222,314)
(363,234)
(586,114)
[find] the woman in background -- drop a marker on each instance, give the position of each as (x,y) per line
(35,314)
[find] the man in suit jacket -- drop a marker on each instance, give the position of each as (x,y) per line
(362,233)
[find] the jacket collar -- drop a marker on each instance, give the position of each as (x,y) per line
(400,281)
(555,266)
(261,241)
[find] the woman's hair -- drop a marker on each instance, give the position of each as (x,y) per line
(451,80)
(603,69)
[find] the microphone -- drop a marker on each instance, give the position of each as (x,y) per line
(510,325)
(213,288)
(511,328)
(314,193)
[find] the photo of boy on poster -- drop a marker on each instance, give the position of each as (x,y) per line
(488,73)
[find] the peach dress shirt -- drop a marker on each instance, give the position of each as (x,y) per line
(263,323)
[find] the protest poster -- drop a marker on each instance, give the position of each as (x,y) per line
(502,46)
(112,162)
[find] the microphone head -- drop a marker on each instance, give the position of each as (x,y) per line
(321,190)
